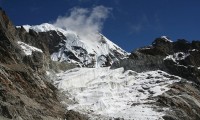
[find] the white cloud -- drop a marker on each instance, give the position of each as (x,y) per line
(86,22)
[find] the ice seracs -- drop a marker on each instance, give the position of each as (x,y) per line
(115,93)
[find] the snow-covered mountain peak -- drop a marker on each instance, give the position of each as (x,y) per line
(45,27)
(91,50)
(166,38)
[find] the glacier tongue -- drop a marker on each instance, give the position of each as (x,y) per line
(105,93)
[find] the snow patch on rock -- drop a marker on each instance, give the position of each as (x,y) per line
(27,48)
(166,38)
(177,56)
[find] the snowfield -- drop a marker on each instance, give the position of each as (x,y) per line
(103,93)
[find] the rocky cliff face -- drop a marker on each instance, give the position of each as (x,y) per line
(47,42)
(179,58)
(25,91)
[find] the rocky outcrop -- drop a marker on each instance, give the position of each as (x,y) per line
(147,58)
(179,58)
(140,62)
(25,91)
(47,41)
(183,100)
(72,115)
(25,95)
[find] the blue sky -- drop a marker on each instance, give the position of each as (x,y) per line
(130,23)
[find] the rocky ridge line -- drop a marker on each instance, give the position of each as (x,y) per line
(179,58)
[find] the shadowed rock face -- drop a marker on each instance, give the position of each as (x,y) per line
(179,58)
(25,93)
(47,41)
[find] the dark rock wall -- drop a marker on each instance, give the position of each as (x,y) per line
(183,100)
(25,93)
(153,58)
(42,40)
(140,62)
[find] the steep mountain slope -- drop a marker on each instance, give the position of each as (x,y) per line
(180,58)
(74,49)
(25,91)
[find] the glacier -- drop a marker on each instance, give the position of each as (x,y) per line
(104,93)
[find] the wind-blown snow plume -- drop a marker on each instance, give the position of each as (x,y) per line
(86,22)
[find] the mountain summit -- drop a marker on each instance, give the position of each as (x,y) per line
(96,51)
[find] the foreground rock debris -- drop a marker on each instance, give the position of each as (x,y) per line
(47,73)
